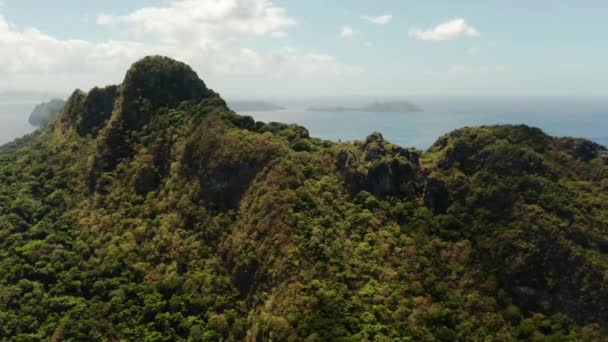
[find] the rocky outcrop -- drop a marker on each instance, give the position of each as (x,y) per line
(89,112)
(382,170)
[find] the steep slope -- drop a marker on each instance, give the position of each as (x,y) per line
(151,211)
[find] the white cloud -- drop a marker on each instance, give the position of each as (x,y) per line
(278,34)
(35,60)
(205,23)
(105,19)
(286,62)
(347,32)
(32,51)
(457,28)
(379,20)
(474,51)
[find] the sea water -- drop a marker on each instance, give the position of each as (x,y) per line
(13,120)
(578,117)
(568,116)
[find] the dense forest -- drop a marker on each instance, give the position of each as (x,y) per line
(149,211)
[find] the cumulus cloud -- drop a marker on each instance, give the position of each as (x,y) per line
(379,20)
(457,28)
(284,62)
(105,19)
(278,34)
(32,51)
(35,60)
(347,32)
(205,22)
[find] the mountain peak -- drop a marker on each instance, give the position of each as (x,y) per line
(156,81)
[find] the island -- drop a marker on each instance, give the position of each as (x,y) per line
(43,112)
(155,213)
(253,106)
(376,107)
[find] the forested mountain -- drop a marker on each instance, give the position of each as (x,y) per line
(149,211)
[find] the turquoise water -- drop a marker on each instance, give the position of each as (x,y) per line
(585,118)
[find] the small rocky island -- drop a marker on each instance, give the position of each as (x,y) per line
(43,112)
(253,106)
(376,107)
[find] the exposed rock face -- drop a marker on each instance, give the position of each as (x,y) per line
(346,160)
(374,147)
(43,112)
(385,170)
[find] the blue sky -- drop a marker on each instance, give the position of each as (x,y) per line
(251,48)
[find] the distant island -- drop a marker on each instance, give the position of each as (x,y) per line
(43,112)
(376,107)
(253,106)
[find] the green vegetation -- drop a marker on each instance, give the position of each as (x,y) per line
(152,212)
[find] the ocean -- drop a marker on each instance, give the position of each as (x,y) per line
(13,120)
(578,117)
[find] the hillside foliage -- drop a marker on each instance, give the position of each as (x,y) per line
(149,211)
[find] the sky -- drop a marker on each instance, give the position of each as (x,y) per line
(261,48)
